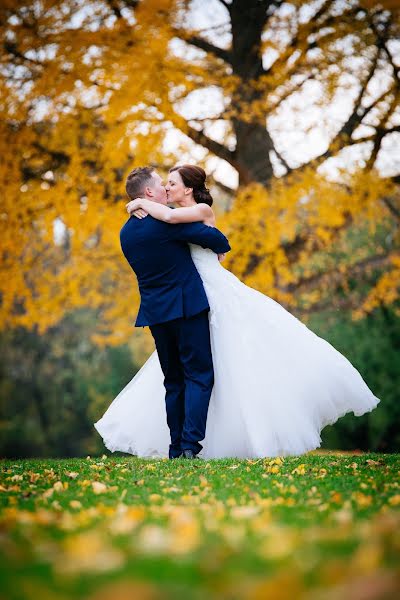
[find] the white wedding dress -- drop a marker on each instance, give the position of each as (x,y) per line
(277,384)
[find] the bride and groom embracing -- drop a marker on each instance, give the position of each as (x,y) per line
(232,368)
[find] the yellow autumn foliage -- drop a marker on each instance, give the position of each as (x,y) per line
(86,95)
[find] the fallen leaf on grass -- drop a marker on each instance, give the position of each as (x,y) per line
(300,470)
(98,487)
(282,586)
(59,486)
(154,497)
(336,497)
(362,500)
(126,519)
(127,591)
(88,552)
(33,477)
(244,512)
(375,463)
(394,500)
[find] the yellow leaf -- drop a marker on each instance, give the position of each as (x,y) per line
(99,487)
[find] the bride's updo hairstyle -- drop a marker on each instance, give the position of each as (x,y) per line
(195,178)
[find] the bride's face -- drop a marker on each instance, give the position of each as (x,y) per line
(176,190)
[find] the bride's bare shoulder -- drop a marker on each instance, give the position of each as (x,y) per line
(207,213)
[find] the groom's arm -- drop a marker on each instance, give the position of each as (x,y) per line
(202,235)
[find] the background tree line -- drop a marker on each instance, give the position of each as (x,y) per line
(54,386)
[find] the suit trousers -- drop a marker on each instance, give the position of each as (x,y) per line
(184,349)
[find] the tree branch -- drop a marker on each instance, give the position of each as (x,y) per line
(201,138)
(282,160)
(380,133)
(11,48)
(215,147)
(370,138)
(227,6)
(303,32)
(347,303)
(392,208)
(203,44)
(382,44)
(375,103)
(289,92)
(333,276)
(343,136)
(115,8)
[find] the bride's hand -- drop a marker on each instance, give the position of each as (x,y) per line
(134,205)
(134,208)
(139,214)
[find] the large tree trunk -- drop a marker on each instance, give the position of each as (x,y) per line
(253,142)
(253,146)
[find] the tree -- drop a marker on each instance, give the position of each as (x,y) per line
(55,386)
(372,346)
(92,89)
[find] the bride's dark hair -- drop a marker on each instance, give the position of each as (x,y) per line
(195,178)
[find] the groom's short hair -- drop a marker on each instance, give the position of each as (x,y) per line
(137,181)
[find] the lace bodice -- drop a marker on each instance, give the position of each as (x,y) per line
(206,260)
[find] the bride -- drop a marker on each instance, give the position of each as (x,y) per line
(277,384)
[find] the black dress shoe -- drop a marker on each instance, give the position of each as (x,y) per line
(189,454)
(174,457)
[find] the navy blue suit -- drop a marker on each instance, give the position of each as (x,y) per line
(175,307)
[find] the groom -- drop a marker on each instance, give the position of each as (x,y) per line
(175,307)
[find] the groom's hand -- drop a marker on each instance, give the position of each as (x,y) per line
(221,257)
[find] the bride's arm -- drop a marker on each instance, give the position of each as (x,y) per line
(188,214)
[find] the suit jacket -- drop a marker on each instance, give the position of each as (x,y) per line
(158,252)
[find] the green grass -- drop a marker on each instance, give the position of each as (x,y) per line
(321,526)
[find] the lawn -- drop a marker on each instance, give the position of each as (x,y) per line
(323,526)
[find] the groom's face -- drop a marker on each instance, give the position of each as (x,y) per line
(156,190)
